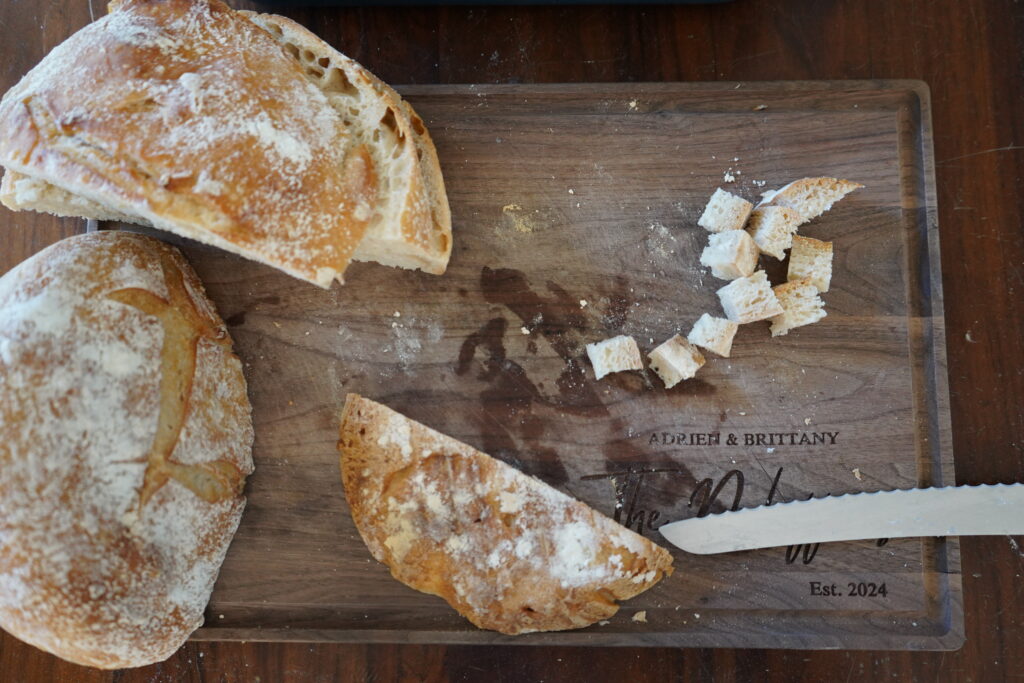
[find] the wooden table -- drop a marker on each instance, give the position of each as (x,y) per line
(970,55)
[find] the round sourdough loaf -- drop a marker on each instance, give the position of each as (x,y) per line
(125,440)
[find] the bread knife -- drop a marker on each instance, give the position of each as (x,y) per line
(984,510)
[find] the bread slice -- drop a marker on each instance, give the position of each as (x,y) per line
(724,211)
(801,306)
(20,192)
(748,299)
(713,334)
(730,254)
(676,359)
(508,552)
(411,226)
(810,197)
(811,259)
(189,116)
(614,355)
(772,228)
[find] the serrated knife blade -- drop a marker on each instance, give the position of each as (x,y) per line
(984,510)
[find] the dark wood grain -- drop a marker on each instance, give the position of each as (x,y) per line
(968,52)
(565,194)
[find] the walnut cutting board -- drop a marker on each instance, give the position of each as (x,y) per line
(590,193)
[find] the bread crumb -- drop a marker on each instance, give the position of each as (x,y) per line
(728,177)
(969,338)
(519,221)
(759,183)
(397,314)
(760,107)
(633,104)
(857,475)
(640,617)
(277,324)
(524,329)
(583,303)
(603,622)
(807,421)
(572,191)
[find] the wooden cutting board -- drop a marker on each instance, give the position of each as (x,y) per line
(574,210)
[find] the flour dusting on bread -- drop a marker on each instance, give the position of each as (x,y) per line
(87,571)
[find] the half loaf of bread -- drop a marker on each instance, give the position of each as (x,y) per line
(508,552)
(185,115)
(125,441)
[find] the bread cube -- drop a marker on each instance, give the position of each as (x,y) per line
(810,197)
(713,334)
(730,254)
(725,211)
(615,355)
(676,360)
(748,299)
(772,229)
(801,306)
(811,259)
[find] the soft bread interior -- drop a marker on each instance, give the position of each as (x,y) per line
(21,192)
(412,224)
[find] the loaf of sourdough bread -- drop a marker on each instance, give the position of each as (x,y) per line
(125,441)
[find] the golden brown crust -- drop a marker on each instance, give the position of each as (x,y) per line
(505,550)
(125,440)
(185,114)
(809,197)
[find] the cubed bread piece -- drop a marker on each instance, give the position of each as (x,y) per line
(811,259)
(676,360)
(748,299)
(801,306)
(772,229)
(730,254)
(713,334)
(725,211)
(615,355)
(810,197)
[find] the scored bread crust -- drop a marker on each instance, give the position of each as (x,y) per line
(411,227)
(125,440)
(508,552)
(185,114)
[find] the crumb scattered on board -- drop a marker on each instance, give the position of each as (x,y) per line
(519,220)
(641,616)
(857,475)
